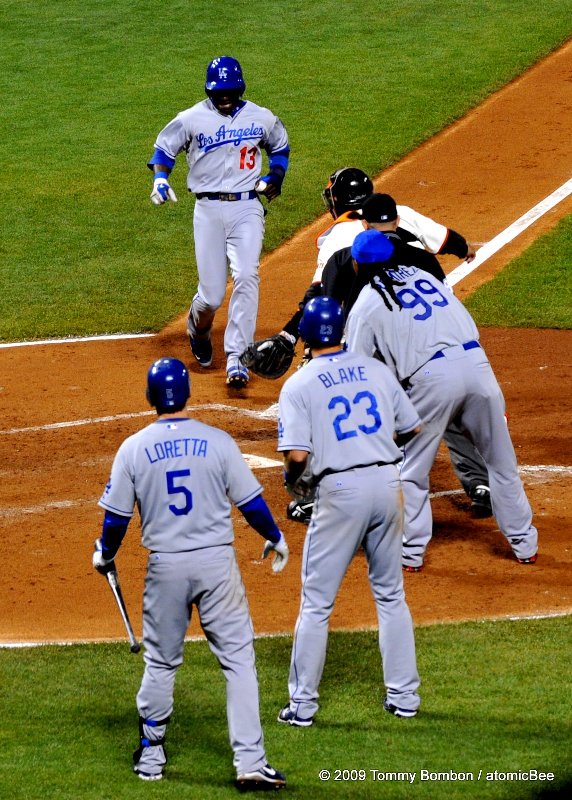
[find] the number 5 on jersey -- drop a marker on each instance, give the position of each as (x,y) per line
(179,489)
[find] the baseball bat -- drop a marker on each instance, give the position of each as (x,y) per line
(113,580)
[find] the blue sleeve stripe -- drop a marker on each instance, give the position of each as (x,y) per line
(279,159)
(160,157)
(258,516)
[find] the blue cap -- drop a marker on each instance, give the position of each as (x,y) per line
(372,247)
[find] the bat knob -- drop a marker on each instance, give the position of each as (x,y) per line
(135,648)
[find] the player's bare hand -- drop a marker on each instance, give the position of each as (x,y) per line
(471,253)
(162,192)
(282,553)
(270,185)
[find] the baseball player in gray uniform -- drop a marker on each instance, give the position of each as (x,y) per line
(351,414)
(184,475)
(428,339)
(223,138)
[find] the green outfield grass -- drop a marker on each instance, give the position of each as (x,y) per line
(87,84)
(484,708)
(535,290)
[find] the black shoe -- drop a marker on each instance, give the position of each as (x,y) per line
(481,501)
(289,717)
(404,713)
(263,779)
(202,350)
(300,510)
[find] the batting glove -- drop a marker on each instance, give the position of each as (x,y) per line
(270,185)
(101,564)
(282,552)
(162,190)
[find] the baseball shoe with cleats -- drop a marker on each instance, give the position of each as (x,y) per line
(300,511)
(148,762)
(289,717)
(266,778)
(403,713)
(202,349)
(237,376)
(481,501)
(529,560)
(410,568)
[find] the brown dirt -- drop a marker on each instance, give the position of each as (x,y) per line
(478,176)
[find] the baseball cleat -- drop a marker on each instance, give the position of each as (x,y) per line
(300,511)
(481,502)
(202,350)
(146,776)
(236,375)
(265,778)
(409,568)
(404,713)
(529,560)
(288,716)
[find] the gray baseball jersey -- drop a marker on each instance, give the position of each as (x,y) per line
(224,154)
(432,341)
(344,408)
(184,475)
(408,338)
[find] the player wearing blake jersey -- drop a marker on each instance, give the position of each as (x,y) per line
(223,138)
(184,476)
(430,341)
(351,415)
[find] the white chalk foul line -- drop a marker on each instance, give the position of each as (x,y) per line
(510,233)
(270,413)
(485,252)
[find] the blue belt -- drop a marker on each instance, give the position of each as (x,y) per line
(226,195)
(467,346)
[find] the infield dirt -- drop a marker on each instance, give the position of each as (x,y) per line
(478,176)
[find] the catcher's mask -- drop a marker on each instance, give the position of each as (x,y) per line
(348,188)
(168,385)
(322,323)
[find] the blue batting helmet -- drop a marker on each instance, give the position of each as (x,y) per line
(322,323)
(168,385)
(224,72)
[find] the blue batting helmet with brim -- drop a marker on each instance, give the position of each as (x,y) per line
(372,247)
(322,323)
(168,385)
(223,73)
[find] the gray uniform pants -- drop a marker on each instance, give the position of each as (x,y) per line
(210,578)
(461,386)
(228,233)
(360,507)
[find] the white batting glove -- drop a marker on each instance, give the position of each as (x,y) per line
(162,192)
(282,552)
(101,564)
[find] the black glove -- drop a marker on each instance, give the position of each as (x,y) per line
(270,358)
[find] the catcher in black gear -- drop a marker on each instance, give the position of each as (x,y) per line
(345,196)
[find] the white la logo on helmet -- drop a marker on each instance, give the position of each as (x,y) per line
(223,72)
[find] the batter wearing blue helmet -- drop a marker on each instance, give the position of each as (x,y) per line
(350,413)
(223,138)
(184,476)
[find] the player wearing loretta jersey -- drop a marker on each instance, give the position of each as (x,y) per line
(350,413)
(429,340)
(223,138)
(184,477)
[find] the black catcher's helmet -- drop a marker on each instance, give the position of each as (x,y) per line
(347,189)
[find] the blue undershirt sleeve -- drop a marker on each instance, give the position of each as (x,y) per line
(113,530)
(259,517)
(160,157)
